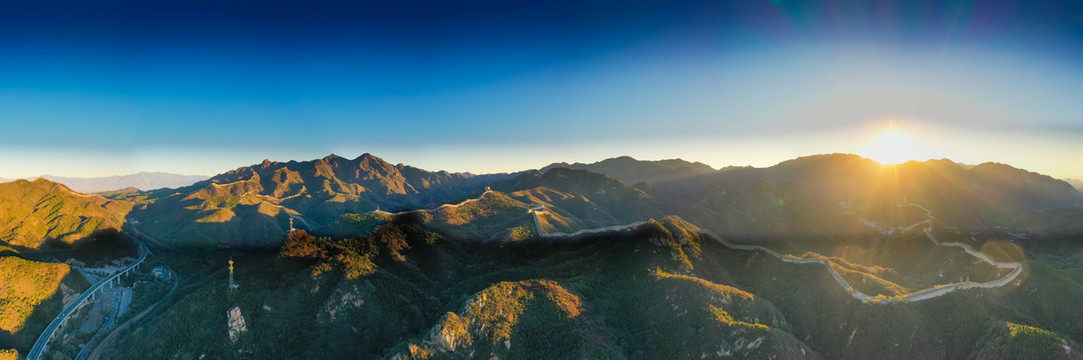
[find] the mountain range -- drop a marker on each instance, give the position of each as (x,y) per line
(622,258)
(138,181)
(813,197)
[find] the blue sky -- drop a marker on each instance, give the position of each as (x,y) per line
(202,87)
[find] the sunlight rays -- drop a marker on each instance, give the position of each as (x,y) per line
(891,147)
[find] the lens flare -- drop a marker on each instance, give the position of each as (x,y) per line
(891,147)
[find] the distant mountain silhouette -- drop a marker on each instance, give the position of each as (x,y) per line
(1078,184)
(632,171)
(143,181)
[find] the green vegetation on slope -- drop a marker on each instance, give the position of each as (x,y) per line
(248,206)
(389,293)
(31,294)
(493,216)
(1017,341)
(349,225)
(521,319)
(34,212)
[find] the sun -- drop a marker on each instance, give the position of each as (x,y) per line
(891,147)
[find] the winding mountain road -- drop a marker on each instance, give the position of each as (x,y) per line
(50,331)
(104,344)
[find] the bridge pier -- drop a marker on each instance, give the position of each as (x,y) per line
(44,340)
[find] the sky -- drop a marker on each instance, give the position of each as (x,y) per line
(201,87)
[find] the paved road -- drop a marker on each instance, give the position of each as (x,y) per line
(141,235)
(39,346)
(104,344)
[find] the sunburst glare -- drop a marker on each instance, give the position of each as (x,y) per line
(892,147)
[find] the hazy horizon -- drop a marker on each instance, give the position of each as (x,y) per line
(539,166)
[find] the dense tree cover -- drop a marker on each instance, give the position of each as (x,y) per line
(1017,341)
(657,291)
(24,285)
(31,294)
(357,256)
(575,299)
(492,217)
(351,224)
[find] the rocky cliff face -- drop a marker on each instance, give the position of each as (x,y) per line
(235,323)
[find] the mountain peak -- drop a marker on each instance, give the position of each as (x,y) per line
(632,171)
(624,158)
(368,156)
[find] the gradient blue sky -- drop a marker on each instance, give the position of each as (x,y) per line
(106,87)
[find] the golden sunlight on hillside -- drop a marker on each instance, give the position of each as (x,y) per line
(23,285)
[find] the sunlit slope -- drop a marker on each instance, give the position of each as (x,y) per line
(35,212)
(231,213)
(491,217)
(517,320)
(583,199)
(31,293)
(253,205)
(1018,341)
(563,200)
